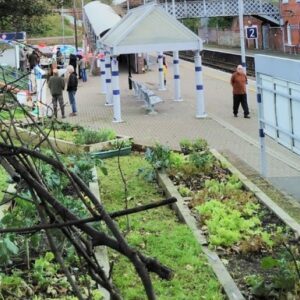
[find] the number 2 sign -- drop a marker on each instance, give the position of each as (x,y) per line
(251,32)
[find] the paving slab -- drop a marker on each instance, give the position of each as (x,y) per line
(176,120)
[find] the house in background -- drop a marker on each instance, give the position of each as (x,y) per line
(290,14)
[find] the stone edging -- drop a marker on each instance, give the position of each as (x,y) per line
(63,146)
(100,251)
(183,212)
(261,196)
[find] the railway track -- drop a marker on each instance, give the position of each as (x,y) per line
(226,62)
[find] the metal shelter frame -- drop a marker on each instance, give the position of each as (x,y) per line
(146,29)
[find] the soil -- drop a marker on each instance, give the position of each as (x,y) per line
(239,264)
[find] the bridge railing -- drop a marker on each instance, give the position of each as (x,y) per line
(215,8)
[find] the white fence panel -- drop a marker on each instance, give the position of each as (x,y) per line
(283,113)
(268,104)
(295,92)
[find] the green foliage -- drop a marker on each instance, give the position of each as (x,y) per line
(3,182)
(119,144)
(221,189)
(202,161)
(7,249)
(91,137)
(158,156)
(16,114)
(44,269)
(16,15)
(188,146)
(158,233)
(192,24)
(82,166)
(13,285)
(226,225)
(283,278)
(220,22)
(184,191)
(176,160)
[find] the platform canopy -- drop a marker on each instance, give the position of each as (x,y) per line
(149,28)
(101,16)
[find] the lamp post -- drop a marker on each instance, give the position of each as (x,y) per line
(75,25)
(242,35)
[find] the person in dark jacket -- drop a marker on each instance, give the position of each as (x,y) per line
(33,59)
(73,61)
(57,85)
(72,88)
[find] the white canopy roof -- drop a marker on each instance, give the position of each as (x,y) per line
(149,28)
(101,16)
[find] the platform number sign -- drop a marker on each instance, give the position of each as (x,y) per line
(251,32)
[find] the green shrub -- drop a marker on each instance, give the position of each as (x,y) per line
(91,137)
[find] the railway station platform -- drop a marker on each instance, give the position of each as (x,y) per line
(236,138)
(251,52)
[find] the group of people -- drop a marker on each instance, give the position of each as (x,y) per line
(28,60)
(57,85)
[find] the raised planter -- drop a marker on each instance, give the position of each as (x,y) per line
(230,287)
(63,146)
(112,153)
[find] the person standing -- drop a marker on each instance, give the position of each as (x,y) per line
(239,82)
(33,59)
(59,58)
(22,59)
(57,85)
(72,88)
(165,70)
(82,69)
(73,61)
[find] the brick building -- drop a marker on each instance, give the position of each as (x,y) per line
(290,13)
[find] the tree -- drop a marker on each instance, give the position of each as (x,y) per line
(17,15)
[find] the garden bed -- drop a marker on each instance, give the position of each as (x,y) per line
(158,233)
(256,246)
(27,269)
(71,139)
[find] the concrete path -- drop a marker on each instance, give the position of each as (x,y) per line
(176,120)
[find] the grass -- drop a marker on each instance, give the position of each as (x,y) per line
(3,182)
(17,113)
(54,27)
(156,233)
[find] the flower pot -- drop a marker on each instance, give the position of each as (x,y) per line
(112,153)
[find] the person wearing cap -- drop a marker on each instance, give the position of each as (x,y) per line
(239,82)
(57,85)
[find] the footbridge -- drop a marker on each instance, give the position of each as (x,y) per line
(265,9)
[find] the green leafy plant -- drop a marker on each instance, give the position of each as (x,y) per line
(186,146)
(91,137)
(158,157)
(227,225)
(184,191)
(202,161)
(176,160)
(44,269)
(199,145)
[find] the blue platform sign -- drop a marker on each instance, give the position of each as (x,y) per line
(12,36)
(251,32)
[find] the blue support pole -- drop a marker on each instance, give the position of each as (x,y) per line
(109,100)
(177,88)
(102,73)
(161,85)
(200,106)
(262,143)
(116,90)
